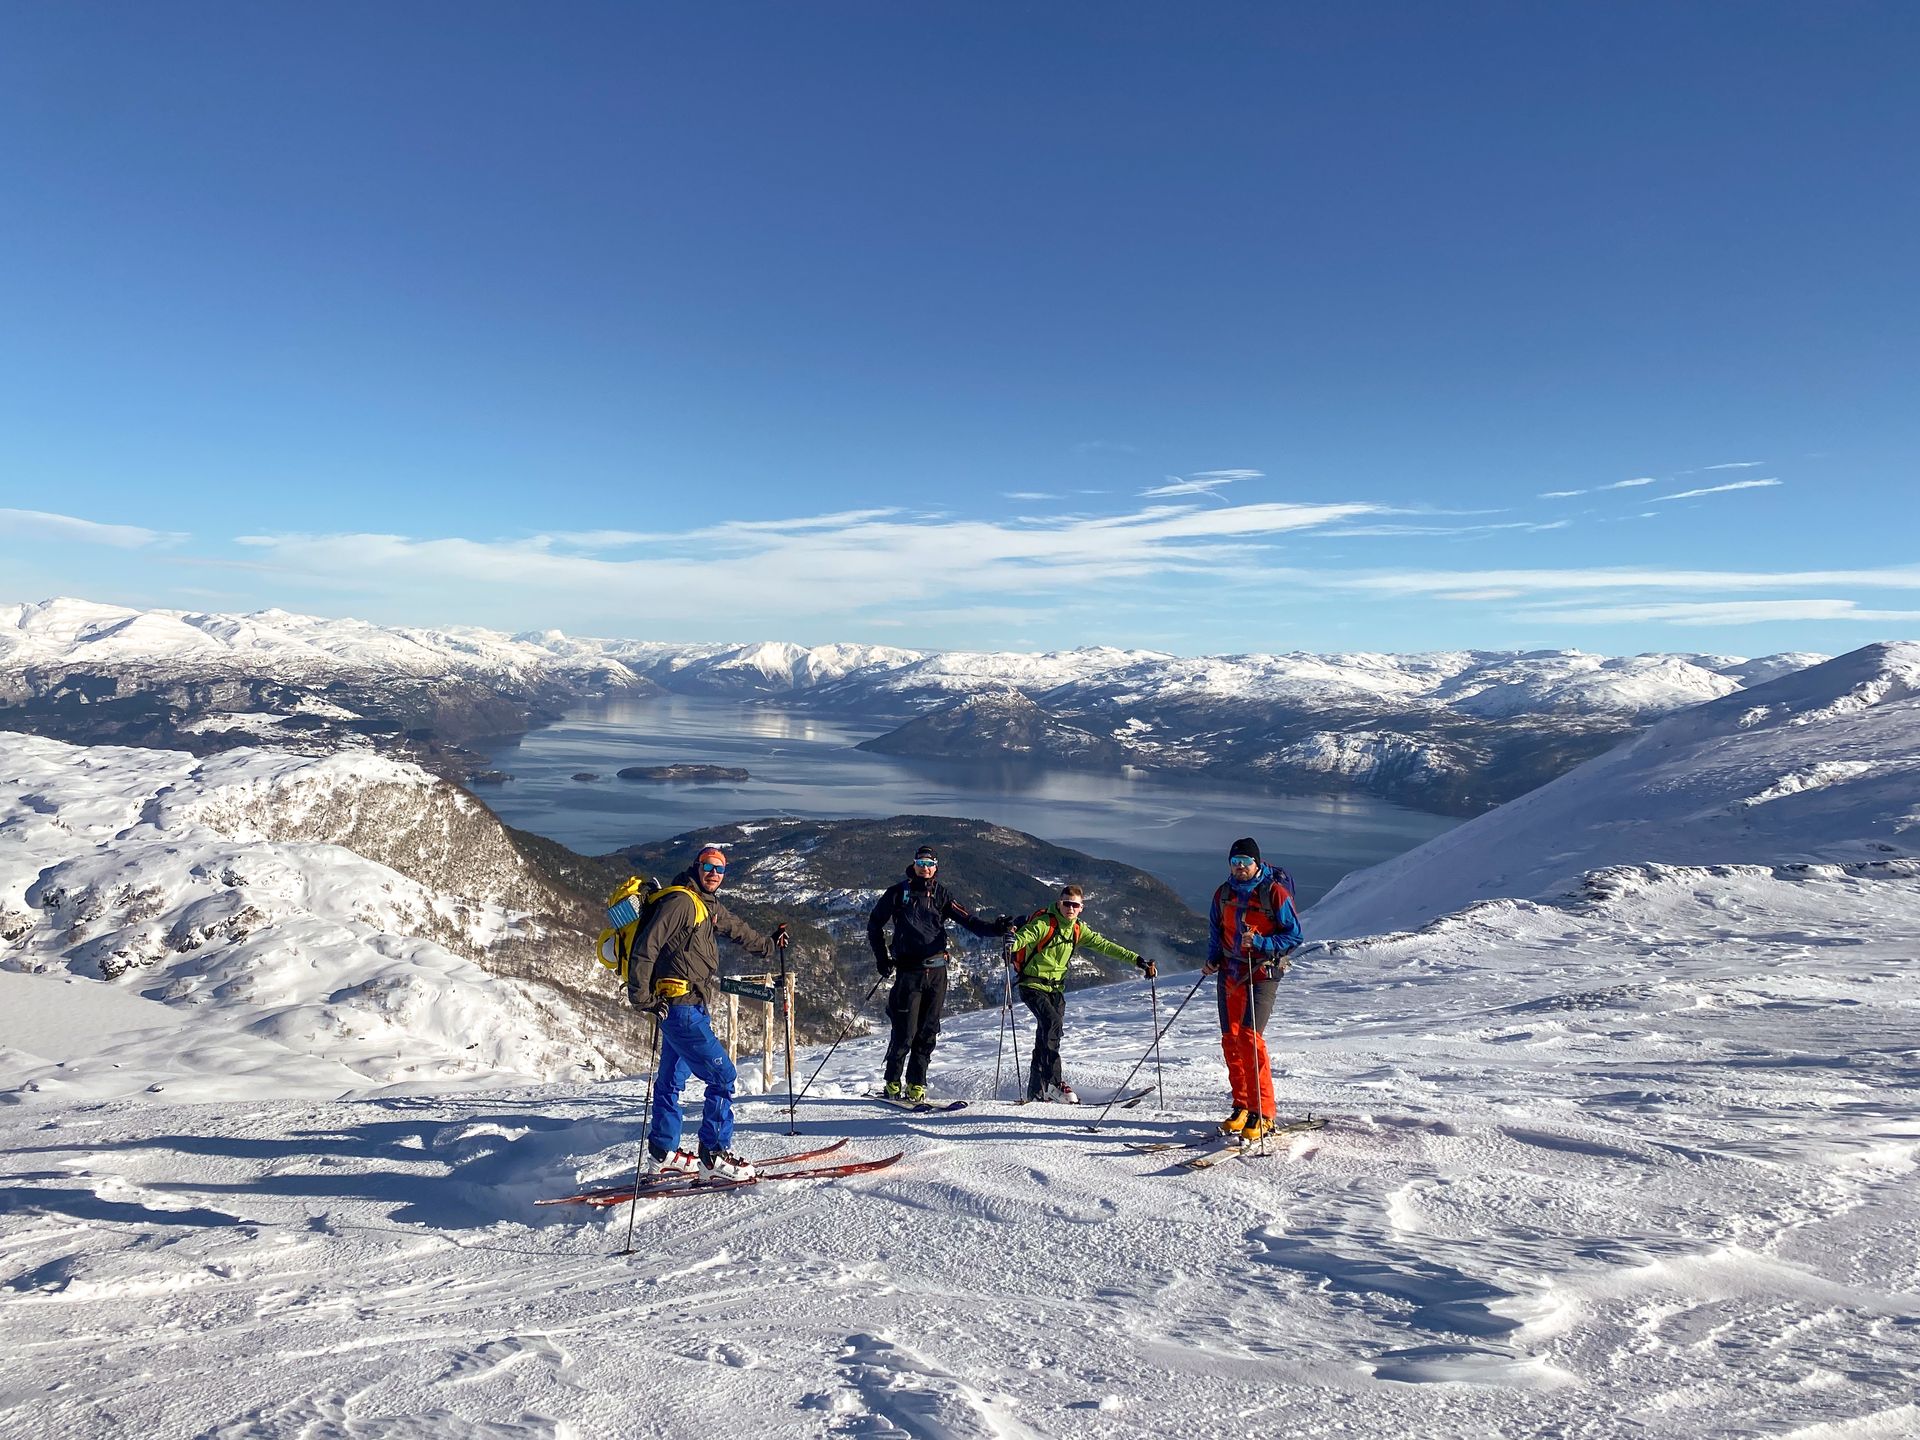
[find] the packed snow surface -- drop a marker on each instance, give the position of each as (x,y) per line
(1628,1150)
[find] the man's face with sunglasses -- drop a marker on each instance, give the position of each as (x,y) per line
(1242,866)
(711,873)
(923,869)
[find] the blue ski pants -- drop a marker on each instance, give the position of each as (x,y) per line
(688,1047)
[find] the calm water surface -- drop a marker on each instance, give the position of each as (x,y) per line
(805,766)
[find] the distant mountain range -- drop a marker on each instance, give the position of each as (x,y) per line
(1454,731)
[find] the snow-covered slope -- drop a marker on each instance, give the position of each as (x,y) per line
(1636,1153)
(1819,766)
(1599,1170)
(349,921)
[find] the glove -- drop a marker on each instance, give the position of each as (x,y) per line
(1005,925)
(780,937)
(885,967)
(656,1006)
(1146,967)
(1212,967)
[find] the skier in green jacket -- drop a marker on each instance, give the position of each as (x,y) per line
(1042,949)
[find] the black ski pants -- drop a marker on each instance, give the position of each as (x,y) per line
(1049,1009)
(914,1005)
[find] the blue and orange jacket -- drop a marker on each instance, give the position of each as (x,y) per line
(1265,921)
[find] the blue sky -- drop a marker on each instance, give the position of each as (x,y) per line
(1236,327)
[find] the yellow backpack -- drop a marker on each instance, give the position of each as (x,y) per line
(628,909)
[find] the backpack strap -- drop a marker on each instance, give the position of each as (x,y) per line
(1021,957)
(699,905)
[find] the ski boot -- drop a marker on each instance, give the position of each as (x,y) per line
(1062,1093)
(1235,1123)
(891,1090)
(1256,1129)
(914,1094)
(670,1164)
(724,1165)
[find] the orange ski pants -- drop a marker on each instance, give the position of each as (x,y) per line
(1245,1005)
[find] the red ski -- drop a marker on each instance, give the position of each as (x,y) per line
(812,1172)
(620,1194)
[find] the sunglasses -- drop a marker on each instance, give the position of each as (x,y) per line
(1241,862)
(707,867)
(1071,904)
(925,864)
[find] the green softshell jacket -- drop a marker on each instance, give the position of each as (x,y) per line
(1045,968)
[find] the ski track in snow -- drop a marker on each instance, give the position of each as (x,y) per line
(1627,1182)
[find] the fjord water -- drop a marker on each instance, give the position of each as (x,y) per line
(805,766)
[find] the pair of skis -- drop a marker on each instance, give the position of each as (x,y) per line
(661,1186)
(1126,1100)
(1215,1148)
(918,1107)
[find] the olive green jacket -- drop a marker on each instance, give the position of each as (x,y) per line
(1043,946)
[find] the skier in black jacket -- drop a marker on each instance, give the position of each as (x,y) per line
(919,908)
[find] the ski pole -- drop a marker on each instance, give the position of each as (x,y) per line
(1013,1029)
(640,1161)
(1006,1012)
(1159,1075)
(845,1031)
(1152,1049)
(786,1001)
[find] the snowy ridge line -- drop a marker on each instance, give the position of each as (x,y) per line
(1601,890)
(61,634)
(1837,784)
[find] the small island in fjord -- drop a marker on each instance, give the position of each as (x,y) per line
(700,773)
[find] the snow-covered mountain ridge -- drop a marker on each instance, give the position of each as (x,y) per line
(1451,731)
(77,634)
(351,916)
(1819,766)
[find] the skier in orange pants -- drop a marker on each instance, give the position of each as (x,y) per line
(1251,930)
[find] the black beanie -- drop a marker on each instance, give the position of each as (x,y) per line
(1248,847)
(925,852)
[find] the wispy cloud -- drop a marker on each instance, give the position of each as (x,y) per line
(1029,495)
(1560,494)
(1735,465)
(1715,490)
(1630,484)
(1722,612)
(1450,582)
(777,570)
(1202,482)
(45,525)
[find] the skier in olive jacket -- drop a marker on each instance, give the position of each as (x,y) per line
(674,975)
(918,908)
(1042,950)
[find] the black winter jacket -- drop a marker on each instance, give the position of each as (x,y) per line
(673,946)
(919,912)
